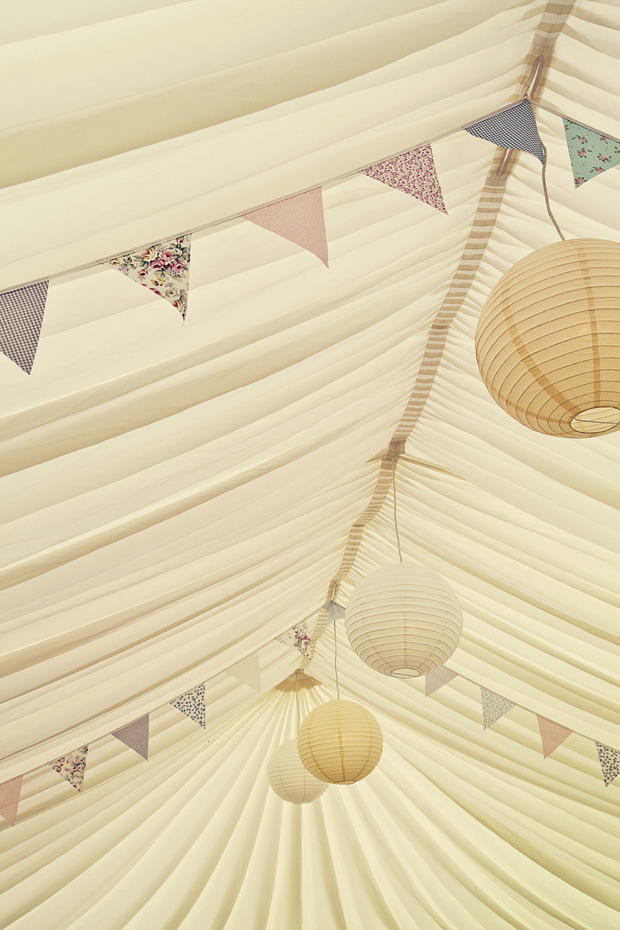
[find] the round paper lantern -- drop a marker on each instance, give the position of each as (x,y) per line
(340,742)
(291,780)
(548,339)
(404,620)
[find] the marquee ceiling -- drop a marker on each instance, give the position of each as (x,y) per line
(177,495)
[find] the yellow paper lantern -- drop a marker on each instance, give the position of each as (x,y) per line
(340,742)
(404,620)
(290,779)
(548,339)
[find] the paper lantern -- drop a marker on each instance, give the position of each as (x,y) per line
(340,742)
(548,339)
(404,620)
(291,780)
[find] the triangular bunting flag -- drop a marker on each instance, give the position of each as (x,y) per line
(334,611)
(413,173)
(493,707)
(136,736)
(192,704)
(298,636)
(247,671)
(21,316)
(437,679)
(72,767)
(552,734)
(9,798)
(610,762)
(590,152)
(299,219)
(163,268)
(512,129)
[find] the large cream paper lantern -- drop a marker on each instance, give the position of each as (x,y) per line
(548,339)
(404,620)
(340,742)
(290,779)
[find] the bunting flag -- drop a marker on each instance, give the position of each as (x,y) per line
(512,129)
(413,173)
(552,734)
(21,316)
(9,798)
(247,671)
(72,767)
(334,611)
(610,762)
(493,707)
(299,219)
(437,679)
(163,268)
(298,636)
(590,152)
(136,736)
(192,704)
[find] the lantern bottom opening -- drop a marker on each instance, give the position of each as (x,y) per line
(596,420)
(405,673)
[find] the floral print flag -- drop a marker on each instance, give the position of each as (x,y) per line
(192,704)
(163,268)
(298,636)
(412,173)
(493,707)
(72,767)
(590,152)
(610,762)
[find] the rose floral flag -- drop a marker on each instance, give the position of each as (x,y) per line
(591,153)
(412,173)
(72,767)
(298,637)
(163,268)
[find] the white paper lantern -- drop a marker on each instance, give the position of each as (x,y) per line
(340,742)
(548,339)
(404,620)
(290,779)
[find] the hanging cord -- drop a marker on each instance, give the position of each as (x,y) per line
(336,662)
(400,555)
(297,699)
(544,187)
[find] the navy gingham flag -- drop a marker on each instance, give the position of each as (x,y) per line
(21,316)
(512,129)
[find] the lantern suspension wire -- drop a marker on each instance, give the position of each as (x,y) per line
(336,662)
(545,192)
(297,699)
(400,555)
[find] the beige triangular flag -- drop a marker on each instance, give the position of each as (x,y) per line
(247,671)
(437,679)
(9,798)
(72,767)
(494,706)
(552,734)
(299,219)
(136,736)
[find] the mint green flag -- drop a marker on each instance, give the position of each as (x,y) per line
(590,152)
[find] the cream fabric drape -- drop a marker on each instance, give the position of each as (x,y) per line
(175,496)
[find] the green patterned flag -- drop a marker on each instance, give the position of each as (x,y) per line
(590,152)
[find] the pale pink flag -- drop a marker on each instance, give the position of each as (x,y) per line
(136,736)
(437,679)
(9,798)
(299,219)
(552,734)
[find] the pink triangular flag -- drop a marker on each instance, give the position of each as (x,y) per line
(299,219)
(136,736)
(9,798)
(21,317)
(552,734)
(72,767)
(413,173)
(437,679)
(163,268)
